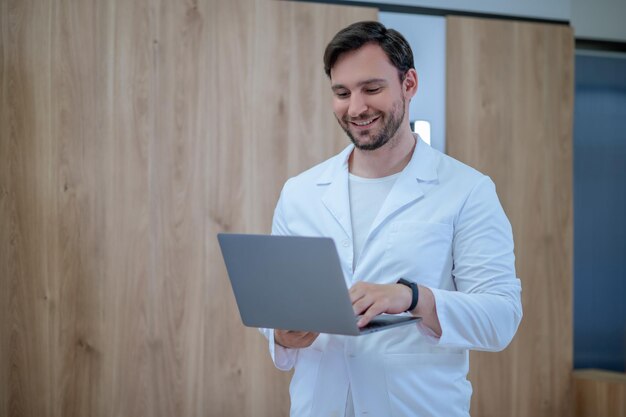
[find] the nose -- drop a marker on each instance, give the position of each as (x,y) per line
(357,105)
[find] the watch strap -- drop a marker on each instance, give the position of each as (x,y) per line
(414,292)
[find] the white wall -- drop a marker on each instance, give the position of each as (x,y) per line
(538,9)
(591,19)
(427,37)
(599,19)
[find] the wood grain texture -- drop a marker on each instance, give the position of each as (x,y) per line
(131,132)
(599,393)
(509,115)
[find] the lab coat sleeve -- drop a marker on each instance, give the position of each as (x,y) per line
(485,310)
(283,358)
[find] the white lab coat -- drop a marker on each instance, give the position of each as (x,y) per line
(441,226)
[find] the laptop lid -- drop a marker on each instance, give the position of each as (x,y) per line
(293,283)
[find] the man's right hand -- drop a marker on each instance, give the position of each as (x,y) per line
(294,339)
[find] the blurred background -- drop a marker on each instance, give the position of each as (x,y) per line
(133,131)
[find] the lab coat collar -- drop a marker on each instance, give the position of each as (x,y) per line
(337,197)
(423,163)
(422,168)
(410,185)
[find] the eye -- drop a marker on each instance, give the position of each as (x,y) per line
(373,90)
(342,94)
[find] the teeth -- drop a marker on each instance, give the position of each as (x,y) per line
(364,123)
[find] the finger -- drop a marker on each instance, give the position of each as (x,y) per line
(289,338)
(364,320)
(280,337)
(297,334)
(373,311)
(305,340)
(356,294)
(362,305)
(356,286)
(310,338)
(302,335)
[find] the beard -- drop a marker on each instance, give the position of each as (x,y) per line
(391,123)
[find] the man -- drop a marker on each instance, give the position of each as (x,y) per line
(396,209)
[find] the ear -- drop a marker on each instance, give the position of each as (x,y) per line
(409,85)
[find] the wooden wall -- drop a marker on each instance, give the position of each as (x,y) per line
(509,114)
(599,393)
(131,132)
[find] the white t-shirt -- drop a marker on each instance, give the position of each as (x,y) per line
(367,196)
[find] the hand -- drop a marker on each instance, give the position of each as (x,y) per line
(294,339)
(371,300)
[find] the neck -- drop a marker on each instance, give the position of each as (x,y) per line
(386,160)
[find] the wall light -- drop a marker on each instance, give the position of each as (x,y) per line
(422,128)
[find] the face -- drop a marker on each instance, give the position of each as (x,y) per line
(369,100)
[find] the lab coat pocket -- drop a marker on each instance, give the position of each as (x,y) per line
(420,251)
(428,384)
(303,381)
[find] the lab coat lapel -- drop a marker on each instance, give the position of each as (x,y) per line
(336,198)
(410,185)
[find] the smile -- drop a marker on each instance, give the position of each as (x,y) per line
(365,122)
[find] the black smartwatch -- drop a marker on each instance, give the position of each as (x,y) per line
(414,291)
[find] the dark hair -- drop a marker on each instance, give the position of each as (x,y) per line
(358,34)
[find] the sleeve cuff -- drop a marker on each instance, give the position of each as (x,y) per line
(283,358)
(429,335)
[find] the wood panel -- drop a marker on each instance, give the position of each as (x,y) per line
(599,393)
(131,132)
(509,115)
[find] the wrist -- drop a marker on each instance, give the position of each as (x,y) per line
(412,286)
(406,295)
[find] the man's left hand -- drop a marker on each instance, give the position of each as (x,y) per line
(371,300)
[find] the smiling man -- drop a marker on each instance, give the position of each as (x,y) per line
(373,114)
(417,232)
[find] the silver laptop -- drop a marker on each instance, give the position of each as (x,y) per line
(294,283)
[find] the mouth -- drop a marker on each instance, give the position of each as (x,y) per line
(362,124)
